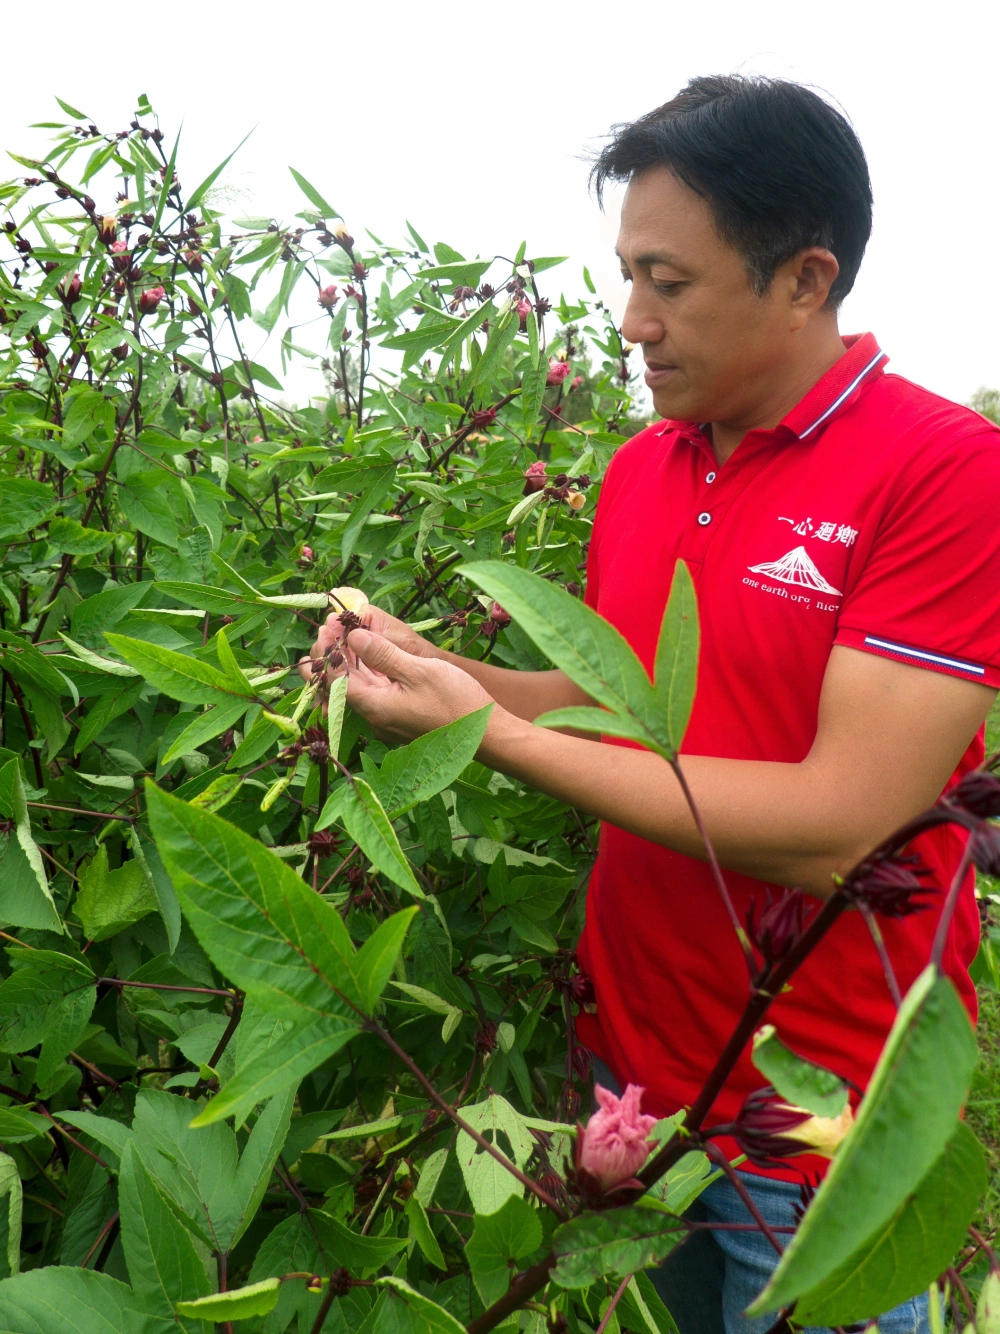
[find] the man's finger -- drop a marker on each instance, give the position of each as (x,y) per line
(381,655)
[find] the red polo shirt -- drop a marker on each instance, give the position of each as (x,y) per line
(868,517)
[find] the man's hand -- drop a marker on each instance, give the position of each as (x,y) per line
(403,695)
(332,633)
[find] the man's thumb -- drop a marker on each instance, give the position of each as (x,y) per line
(381,655)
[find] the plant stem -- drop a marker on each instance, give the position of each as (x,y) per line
(879,941)
(718,1157)
(613,1303)
(950,904)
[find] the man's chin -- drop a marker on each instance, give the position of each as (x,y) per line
(675,404)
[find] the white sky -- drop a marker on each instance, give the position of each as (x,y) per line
(469,119)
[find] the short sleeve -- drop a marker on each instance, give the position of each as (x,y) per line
(924,585)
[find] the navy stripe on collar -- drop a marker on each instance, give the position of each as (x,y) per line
(843,397)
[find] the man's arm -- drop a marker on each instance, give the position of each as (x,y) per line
(889,736)
(526,695)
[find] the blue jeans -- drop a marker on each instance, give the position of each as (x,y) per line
(708,1282)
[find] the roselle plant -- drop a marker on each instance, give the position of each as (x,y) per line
(287,1017)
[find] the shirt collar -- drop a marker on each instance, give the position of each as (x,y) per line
(862,362)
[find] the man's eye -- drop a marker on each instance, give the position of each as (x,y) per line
(666,288)
(626,276)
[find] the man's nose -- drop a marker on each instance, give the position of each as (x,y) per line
(641,323)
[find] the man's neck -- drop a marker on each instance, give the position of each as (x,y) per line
(786,387)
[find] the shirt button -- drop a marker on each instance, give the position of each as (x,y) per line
(710,477)
(704,519)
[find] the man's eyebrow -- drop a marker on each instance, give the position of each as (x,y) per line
(653,257)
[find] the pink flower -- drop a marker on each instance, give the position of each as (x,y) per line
(535,477)
(615,1145)
(308,554)
(558,371)
(576,382)
(119,247)
(150,299)
(523,311)
(328,297)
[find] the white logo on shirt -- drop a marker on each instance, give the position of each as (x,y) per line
(823,532)
(795,567)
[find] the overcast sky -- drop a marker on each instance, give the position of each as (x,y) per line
(470,119)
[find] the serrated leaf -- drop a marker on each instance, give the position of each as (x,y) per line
(178,675)
(359,810)
(432,762)
(376,959)
(798,1081)
(236,1304)
(616,1242)
(499,1240)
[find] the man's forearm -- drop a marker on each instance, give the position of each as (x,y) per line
(527,695)
(775,822)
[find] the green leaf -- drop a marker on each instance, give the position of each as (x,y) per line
(904,1121)
(798,1081)
(643,1304)
(105,711)
(676,671)
(70,536)
(263,927)
(915,1246)
(313,195)
(237,1304)
(257,1163)
(72,111)
(109,901)
(24,504)
(10,1186)
(206,726)
(422,1233)
(207,598)
(145,501)
(409,1312)
(488,1182)
(25,897)
(277,1068)
(579,642)
(46,993)
(582,719)
(377,957)
(100,612)
(346,1247)
(195,199)
(72,1301)
(432,762)
(181,677)
(615,1242)
(159,1251)
(359,810)
(497,1242)
(17,1125)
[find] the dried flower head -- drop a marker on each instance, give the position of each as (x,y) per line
(889,883)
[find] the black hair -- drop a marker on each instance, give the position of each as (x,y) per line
(781,169)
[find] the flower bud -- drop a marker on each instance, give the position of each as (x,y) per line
(71,289)
(342,234)
(328,297)
(150,299)
(499,618)
(484,418)
(558,371)
(194,261)
(769,1129)
(107,228)
(889,884)
(523,309)
(985,848)
(615,1143)
(535,477)
(486,1036)
(322,843)
(576,382)
(307,554)
(978,793)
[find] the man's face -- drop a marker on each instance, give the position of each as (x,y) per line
(706,338)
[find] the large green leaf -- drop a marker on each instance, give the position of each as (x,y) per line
(162,1261)
(205,727)
(344,1246)
(488,1182)
(178,675)
(407,1311)
(10,1188)
(359,810)
(378,956)
(904,1121)
(25,897)
(48,998)
(676,671)
(415,772)
(65,1300)
(916,1245)
(800,1082)
(109,901)
(23,505)
(498,1241)
(580,643)
(618,1241)
(278,1067)
(148,502)
(283,944)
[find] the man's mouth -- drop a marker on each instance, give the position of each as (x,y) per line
(657,373)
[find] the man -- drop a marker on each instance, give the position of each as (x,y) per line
(841,527)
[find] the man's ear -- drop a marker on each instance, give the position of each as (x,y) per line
(811,274)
